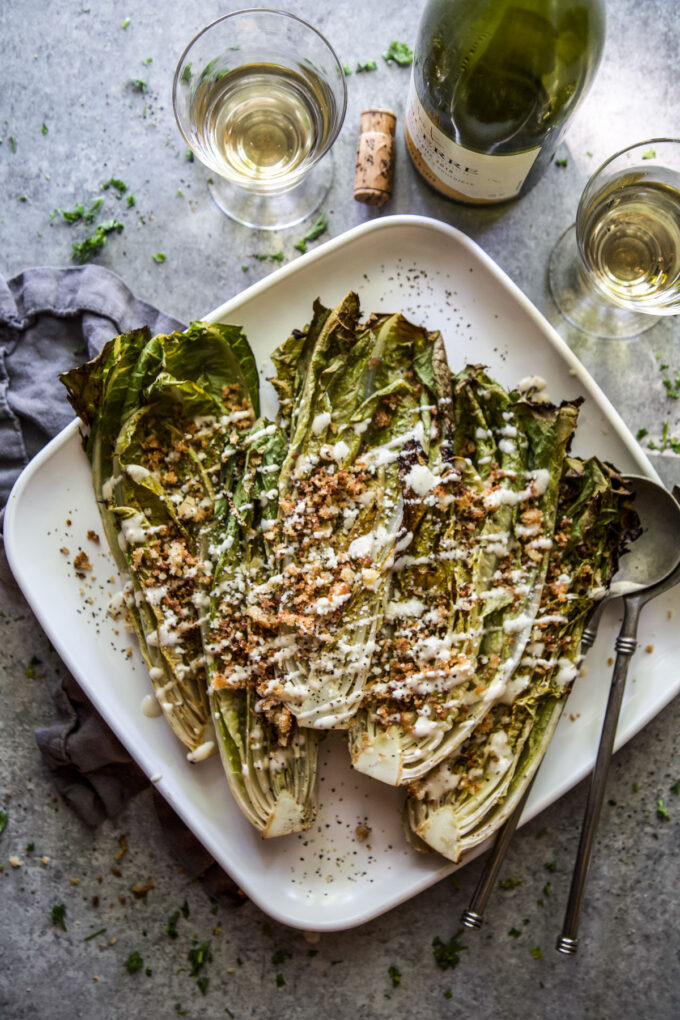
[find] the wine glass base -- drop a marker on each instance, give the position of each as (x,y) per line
(278,210)
(581,305)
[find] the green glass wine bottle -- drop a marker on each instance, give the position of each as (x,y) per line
(494,84)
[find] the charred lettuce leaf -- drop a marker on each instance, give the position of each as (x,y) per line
(464,600)
(355,397)
(467,797)
(270,762)
(158,413)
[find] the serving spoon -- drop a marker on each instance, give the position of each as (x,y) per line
(656,569)
(653,558)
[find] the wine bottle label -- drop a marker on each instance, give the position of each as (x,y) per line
(459,172)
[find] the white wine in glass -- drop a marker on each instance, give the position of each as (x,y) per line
(260,97)
(618,268)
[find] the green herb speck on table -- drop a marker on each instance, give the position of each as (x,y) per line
(510,883)
(662,811)
(198,956)
(4,818)
(134,962)
(57,914)
(446,954)
(536,953)
(395,975)
(84,250)
(367,65)
(319,227)
(400,53)
(44,130)
(160,256)
(116,184)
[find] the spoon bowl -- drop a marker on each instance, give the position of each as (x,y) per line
(657,551)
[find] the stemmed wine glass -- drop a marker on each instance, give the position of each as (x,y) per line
(259,96)
(617,269)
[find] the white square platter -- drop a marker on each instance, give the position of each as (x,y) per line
(329,879)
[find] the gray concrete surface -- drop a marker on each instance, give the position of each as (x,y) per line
(68,66)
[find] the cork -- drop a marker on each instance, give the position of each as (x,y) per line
(374,170)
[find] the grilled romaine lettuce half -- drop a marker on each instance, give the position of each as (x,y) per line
(467,797)
(355,396)
(463,603)
(158,413)
(270,763)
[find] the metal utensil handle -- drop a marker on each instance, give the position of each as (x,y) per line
(473,916)
(625,646)
(591,627)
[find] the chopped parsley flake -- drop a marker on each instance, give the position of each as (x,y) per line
(159,256)
(641,433)
(515,933)
(94,934)
(280,980)
(550,865)
(185,909)
(138,85)
(71,215)
(675,788)
(547,889)
(368,65)
(58,913)
(30,669)
(198,957)
(446,953)
(190,156)
(171,927)
(662,811)
(649,154)
(44,128)
(400,53)
(3,820)
(117,184)
(12,143)
(276,256)
(83,251)
(134,962)
(510,883)
(185,76)
(635,787)
(346,69)
(91,214)
(562,162)
(131,201)
(395,975)
(281,955)
(202,983)
(541,833)
(319,227)
(536,953)
(125,23)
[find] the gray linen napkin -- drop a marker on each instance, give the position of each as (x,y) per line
(51,320)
